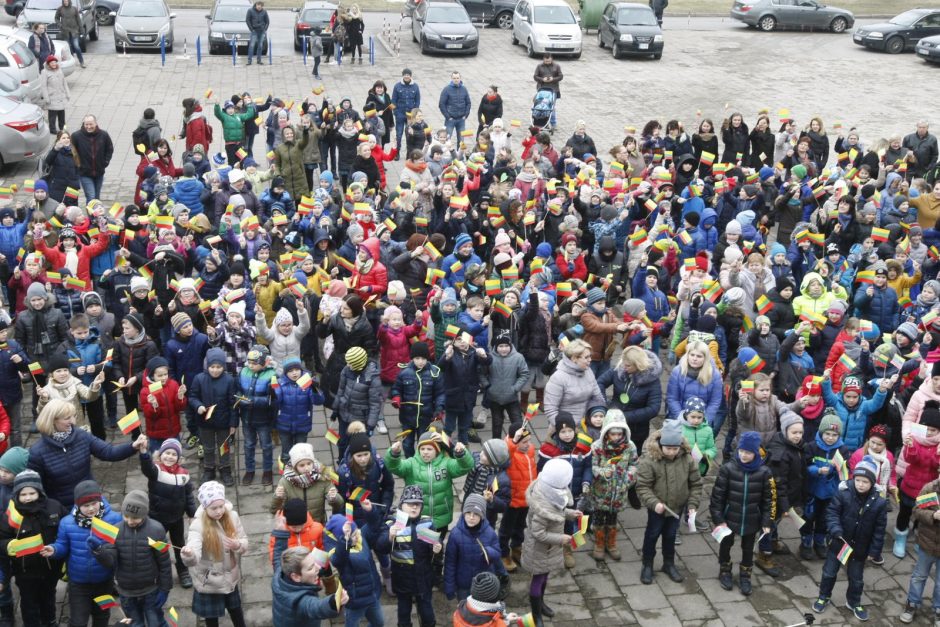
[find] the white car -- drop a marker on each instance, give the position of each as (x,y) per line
(23,131)
(544,26)
(67,61)
(19,63)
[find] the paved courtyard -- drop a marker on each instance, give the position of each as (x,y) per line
(709,65)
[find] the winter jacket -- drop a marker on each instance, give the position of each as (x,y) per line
(454,102)
(186,356)
(86,253)
(43,518)
(295,604)
(164,421)
(613,469)
(309,536)
(534,332)
(377,479)
(744,501)
(683,387)
(55,89)
(187,191)
(405,97)
(859,519)
(420,394)
(920,462)
(361,335)
(928,528)
(764,418)
(470,551)
(675,482)
(71,546)
(781,315)
(410,557)
(311,489)
(215,575)
(63,171)
(289,158)
(804,302)
(295,405)
(360,395)
(644,391)
(94,150)
(396,348)
(198,130)
(138,568)
(571,389)
(461,378)
(817,454)
(882,308)
(283,346)
(233,126)
(354,562)
(786,462)
(855,421)
(508,375)
(11,388)
(171,494)
(703,437)
(207,391)
(257,21)
(63,465)
(435,480)
(258,388)
(545,529)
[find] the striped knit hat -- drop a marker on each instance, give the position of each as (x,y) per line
(356,358)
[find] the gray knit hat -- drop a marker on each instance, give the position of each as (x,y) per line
(28,479)
(136,504)
(671,434)
(789,419)
(498,452)
(485,587)
(475,503)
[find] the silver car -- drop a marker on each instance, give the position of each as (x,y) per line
(141,24)
(227,22)
(67,62)
(23,131)
(768,15)
(43,12)
(19,63)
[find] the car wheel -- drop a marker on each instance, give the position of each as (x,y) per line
(297,46)
(577,55)
(94,33)
(895,45)
(529,49)
(424,48)
(615,50)
(504,20)
(600,39)
(839,25)
(117,48)
(103,16)
(767,23)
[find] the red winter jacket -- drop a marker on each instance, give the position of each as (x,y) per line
(580,269)
(921,461)
(198,130)
(164,421)
(396,348)
(522,472)
(371,285)
(380,157)
(57,257)
(4,429)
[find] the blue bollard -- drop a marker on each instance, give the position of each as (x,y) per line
(339,53)
(162,51)
(371,50)
(270,52)
(304,44)
(198,50)
(234,51)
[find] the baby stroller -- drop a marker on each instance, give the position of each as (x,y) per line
(543,109)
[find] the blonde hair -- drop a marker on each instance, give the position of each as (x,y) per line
(636,357)
(705,373)
(211,542)
(54,409)
(759,379)
(356,426)
(576,348)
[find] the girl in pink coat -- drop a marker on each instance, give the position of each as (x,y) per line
(394,340)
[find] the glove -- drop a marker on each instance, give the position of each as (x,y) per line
(160,599)
(396,402)
(94,542)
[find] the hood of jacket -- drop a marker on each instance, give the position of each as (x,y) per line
(615,421)
(374,246)
(810,276)
(655,451)
(709,217)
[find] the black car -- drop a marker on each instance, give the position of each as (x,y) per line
(495,12)
(310,15)
(928,49)
(901,33)
(103,10)
(630,29)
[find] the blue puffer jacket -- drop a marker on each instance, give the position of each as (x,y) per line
(818,455)
(378,480)
(85,352)
(455,101)
(859,519)
(186,357)
(464,558)
(355,565)
(451,279)
(295,406)
(405,97)
(657,305)
(411,558)
(11,390)
(106,260)
(71,545)
(644,390)
(206,391)
(11,239)
(855,420)
(187,191)
(68,300)
(681,388)
(462,377)
(295,604)
(63,465)
(260,407)
(881,308)
(421,394)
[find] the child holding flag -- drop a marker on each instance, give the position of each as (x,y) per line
(613,465)
(760,410)
(472,547)
(856,521)
(418,394)
(825,460)
(87,359)
(256,384)
(297,395)
(211,399)
(854,412)
(698,433)
(305,478)
(919,460)
(31,523)
(62,385)
(161,401)
(927,514)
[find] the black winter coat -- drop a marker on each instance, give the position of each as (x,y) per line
(42,517)
(461,375)
(736,140)
(743,500)
(359,396)
(534,333)
(63,172)
(858,519)
(489,110)
(361,334)
(762,144)
(411,272)
(138,569)
(171,495)
(785,460)
(411,558)
(782,318)
(94,151)
(40,333)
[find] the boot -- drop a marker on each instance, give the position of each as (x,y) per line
(267,477)
(806,549)
(208,474)
(612,549)
(510,564)
(779,548)
(724,576)
(547,612)
(600,541)
(900,543)
(765,561)
(248,478)
(672,572)
(569,557)
(387,579)
(646,574)
(517,554)
(227,479)
(536,604)
(744,580)
(183,573)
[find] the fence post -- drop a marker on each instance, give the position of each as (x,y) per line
(270,51)
(371,50)
(304,45)
(235,51)
(198,50)
(162,51)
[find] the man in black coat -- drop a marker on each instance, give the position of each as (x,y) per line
(94,148)
(258,22)
(548,75)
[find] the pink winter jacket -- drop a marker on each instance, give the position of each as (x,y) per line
(395,348)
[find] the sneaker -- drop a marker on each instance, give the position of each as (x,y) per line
(381,428)
(907,616)
(860,612)
(820,605)
(936,618)
(473,437)
(186,581)
(200,451)
(877,560)
(678,539)
(192,441)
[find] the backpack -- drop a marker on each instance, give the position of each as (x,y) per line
(138,137)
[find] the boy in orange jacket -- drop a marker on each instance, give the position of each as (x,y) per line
(522,471)
(304,530)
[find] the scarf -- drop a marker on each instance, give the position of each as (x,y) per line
(558,497)
(84,521)
(175,469)
(525,177)
(482,606)
(416,166)
(752,465)
(923,302)
(305,480)
(137,339)
(61,436)
(884,469)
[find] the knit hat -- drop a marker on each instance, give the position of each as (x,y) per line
(134,320)
(476,504)
(179,321)
(935,369)
(172,444)
(733,228)
(139,283)
(633,307)
(759,320)
(356,358)
(300,452)
(87,491)
(420,349)
(882,432)
(258,354)
(502,338)
(485,587)
(749,441)
(89,299)
(295,512)
(462,240)
(215,356)
(337,289)
(292,363)
(157,362)
(556,473)
(783,282)
(838,307)
(908,330)
(36,290)
(359,443)
(210,492)
(799,171)
(671,434)
(411,494)
(15,460)
(831,421)
(502,239)
(733,254)
(866,468)
(851,384)
(543,250)
(735,296)
(701,261)
(497,451)
(137,504)
(789,419)
(58,362)
(449,297)
(694,403)
(746,354)
(930,416)
(283,317)
(428,439)
(27,479)
(596,295)
(564,419)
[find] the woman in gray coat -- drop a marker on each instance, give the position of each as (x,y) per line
(572,388)
(55,93)
(69,19)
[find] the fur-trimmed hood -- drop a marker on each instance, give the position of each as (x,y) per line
(652,448)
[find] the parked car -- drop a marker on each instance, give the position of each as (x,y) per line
(928,49)
(43,12)
(11,88)
(440,26)
(546,26)
(768,15)
(67,61)
(13,7)
(19,63)
(104,9)
(139,24)
(901,33)
(227,22)
(23,131)
(312,14)
(494,12)
(630,29)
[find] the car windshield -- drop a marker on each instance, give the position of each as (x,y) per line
(447,15)
(636,17)
(44,4)
(142,8)
(230,13)
(554,15)
(907,18)
(317,15)
(23,51)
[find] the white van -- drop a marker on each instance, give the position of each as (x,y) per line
(546,26)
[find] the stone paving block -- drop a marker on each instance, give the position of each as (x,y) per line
(696,544)
(768,597)
(692,607)
(646,597)
(801,586)
(625,573)
(671,588)
(715,593)
(701,566)
(658,617)
(568,609)
(611,612)
(782,617)
(739,612)
(598,586)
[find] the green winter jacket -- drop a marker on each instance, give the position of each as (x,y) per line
(434,479)
(675,482)
(233,126)
(705,438)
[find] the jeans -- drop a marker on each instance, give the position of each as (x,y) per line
(91,185)
(855,569)
(288,440)
(316,67)
(425,609)
(454,124)
(263,433)
(143,611)
(37,600)
(512,411)
(372,613)
(56,120)
(660,525)
(255,45)
(512,529)
(400,123)
(461,421)
(915,593)
(76,48)
(766,544)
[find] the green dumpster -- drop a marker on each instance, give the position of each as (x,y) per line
(591,11)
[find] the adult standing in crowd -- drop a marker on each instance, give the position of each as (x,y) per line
(406,97)
(258,23)
(55,93)
(548,75)
(69,19)
(572,388)
(455,105)
(41,43)
(922,151)
(94,149)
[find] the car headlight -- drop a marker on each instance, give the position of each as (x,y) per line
(213,35)
(876,35)
(120,30)
(430,34)
(658,39)
(164,29)
(473,34)
(626,37)
(21,21)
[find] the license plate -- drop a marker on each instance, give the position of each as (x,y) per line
(644,46)
(140,38)
(453,46)
(857,38)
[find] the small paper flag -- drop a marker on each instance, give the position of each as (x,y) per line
(105,602)
(349,512)
(129,422)
(158,545)
(332,436)
(926,501)
(104,531)
(359,494)
(845,553)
